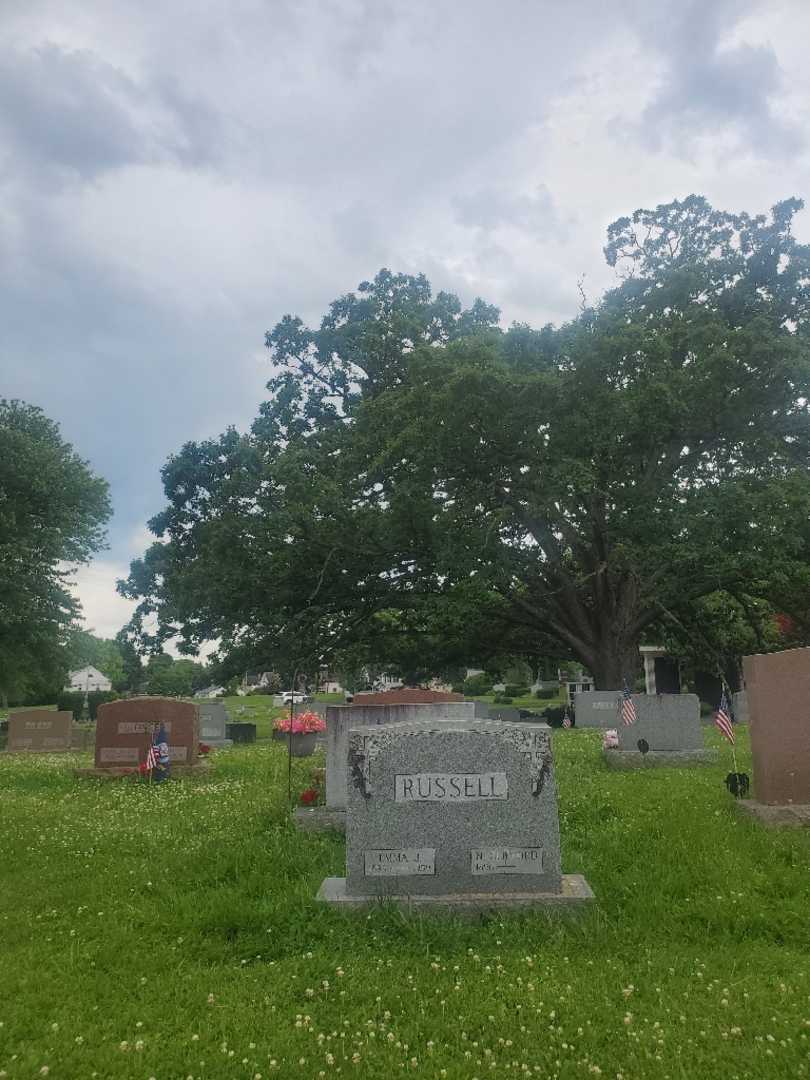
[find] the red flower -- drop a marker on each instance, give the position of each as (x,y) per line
(309,796)
(142,768)
(204,748)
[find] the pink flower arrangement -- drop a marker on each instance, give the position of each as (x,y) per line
(610,740)
(302,723)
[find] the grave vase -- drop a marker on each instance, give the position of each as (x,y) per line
(302,744)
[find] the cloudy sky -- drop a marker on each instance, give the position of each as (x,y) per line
(174,177)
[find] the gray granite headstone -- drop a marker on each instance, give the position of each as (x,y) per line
(739,706)
(666,721)
(507,713)
(340,718)
(596,708)
(213,718)
(481,710)
(460,814)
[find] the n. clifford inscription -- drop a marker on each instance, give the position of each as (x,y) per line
(506,861)
(450,787)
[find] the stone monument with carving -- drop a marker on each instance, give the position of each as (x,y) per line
(458,815)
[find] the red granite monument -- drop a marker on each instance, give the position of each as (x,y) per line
(124,732)
(38,731)
(778,686)
(405,695)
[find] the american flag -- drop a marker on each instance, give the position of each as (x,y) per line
(151,757)
(566,718)
(627,709)
(722,718)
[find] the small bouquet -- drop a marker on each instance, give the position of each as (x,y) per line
(302,724)
(610,740)
(204,749)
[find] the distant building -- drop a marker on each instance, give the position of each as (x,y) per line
(256,681)
(210,691)
(87,679)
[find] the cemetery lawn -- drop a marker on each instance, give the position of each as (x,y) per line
(172,932)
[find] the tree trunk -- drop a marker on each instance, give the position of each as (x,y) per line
(615,663)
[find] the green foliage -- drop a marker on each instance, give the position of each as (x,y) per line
(99,697)
(71,701)
(554,714)
(502,699)
(52,515)
(167,677)
(547,694)
(514,690)
(429,488)
(477,685)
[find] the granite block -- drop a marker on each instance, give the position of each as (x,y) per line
(575,895)
(319,819)
(792,816)
(124,731)
(597,708)
(39,731)
(452,808)
(213,720)
(778,687)
(339,718)
(665,722)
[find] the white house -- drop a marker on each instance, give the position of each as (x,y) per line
(86,679)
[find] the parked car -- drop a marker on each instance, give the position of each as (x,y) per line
(294,697)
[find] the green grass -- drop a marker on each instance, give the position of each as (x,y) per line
(172,932)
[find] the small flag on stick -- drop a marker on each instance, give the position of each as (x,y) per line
(627,708)
(722,718)
(151,758)
(566,717)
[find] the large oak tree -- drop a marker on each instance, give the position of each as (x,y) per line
(416,467)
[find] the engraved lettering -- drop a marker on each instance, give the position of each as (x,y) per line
(399,862)
(450,787)
(506,861)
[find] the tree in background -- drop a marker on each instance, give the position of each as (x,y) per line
(53,510)
(574,487)
(84,648)
(167,677)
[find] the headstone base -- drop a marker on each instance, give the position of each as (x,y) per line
(319,818)
(119,773)
(790,814)
(576,894)
(671,759)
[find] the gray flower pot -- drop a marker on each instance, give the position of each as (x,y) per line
(302,743)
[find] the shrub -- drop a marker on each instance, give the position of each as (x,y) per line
(502,699)
(71,701)
(546,695)
(477,685)
(99,697)
(553,716)
(513,690)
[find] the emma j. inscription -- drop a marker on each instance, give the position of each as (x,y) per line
(397,862)
(450,787)
(506,860)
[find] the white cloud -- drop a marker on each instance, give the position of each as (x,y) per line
(104,611)
(171,186)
